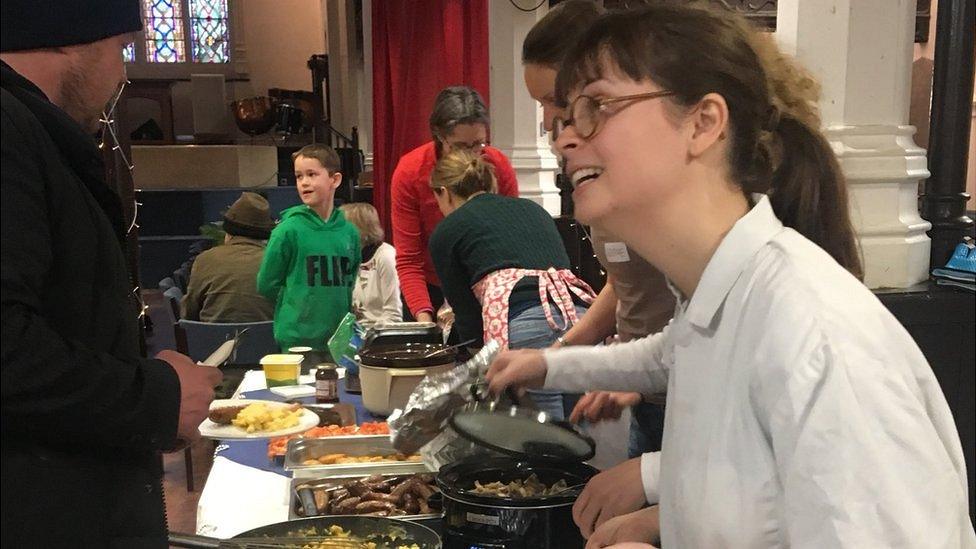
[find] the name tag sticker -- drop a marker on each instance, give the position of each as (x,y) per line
(616,252)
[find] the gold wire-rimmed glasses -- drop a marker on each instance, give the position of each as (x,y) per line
(587,113)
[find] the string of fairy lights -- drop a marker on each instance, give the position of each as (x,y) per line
(110,138)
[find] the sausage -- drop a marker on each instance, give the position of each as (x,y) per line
(373,479)
(410,504)
(374,506)
(378,486)
(424,508)
(421,490)
(321,501)
(348,505)
(403,487)
(357,488)
(379,496)
(224,415)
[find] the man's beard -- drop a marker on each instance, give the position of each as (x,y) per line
(73,100)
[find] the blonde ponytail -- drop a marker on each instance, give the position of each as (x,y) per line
(464,173)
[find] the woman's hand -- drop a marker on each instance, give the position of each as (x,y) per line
(640,526)
(445,318)
(525,368)
(612,493)
(598,406)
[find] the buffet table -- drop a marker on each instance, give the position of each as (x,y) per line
(245,489)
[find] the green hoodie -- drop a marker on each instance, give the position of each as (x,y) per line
(309,269)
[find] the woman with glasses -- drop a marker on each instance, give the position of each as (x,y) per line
(799,411)
(635,301)
(502,265)
(459,121)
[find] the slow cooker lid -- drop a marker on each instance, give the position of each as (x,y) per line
(522,433)
(407,355)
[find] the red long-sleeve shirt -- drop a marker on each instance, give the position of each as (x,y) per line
(415,214)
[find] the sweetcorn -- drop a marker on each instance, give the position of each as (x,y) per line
(261,417)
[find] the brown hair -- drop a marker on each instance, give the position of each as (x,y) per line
(364,216)
(775,146)
(453,106)
(463,173)
(323,153)
(555,34)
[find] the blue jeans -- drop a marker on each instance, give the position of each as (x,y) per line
(529,329)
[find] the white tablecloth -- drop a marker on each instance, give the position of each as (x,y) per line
(238,498)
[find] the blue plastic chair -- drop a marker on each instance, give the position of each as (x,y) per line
(198,339)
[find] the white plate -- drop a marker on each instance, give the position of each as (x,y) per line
(209,429)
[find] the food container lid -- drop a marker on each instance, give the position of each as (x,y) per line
(522,432)
(407,355)
(281,359)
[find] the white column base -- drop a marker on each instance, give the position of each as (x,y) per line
(536,171)
(883,166)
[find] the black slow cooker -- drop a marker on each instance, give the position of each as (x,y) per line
(534,444)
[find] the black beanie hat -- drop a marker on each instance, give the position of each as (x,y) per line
(37,24)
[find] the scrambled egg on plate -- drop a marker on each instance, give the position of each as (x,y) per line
(261,417)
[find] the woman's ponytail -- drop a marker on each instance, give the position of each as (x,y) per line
(809,194)
(464,173)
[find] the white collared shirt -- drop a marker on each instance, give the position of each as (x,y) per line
(800,412)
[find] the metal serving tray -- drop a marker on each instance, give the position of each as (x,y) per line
(302,449)
(336,480)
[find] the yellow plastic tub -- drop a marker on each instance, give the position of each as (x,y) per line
(280,370)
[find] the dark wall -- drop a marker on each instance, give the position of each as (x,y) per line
(943,323)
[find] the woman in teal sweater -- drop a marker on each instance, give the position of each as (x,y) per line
(501,262)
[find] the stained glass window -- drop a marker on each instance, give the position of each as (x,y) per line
(164,31)
(208,31)
(129,53)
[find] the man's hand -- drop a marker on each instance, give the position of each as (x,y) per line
(196,392)
(614,492)
(640,526)
(598,406)
(521,369)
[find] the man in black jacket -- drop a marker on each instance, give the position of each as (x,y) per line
(84,417)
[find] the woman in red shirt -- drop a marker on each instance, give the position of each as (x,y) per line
(459,121)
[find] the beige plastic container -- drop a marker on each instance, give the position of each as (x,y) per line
(389,373)
(281,369)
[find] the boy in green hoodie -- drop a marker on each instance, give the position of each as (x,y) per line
(313,256)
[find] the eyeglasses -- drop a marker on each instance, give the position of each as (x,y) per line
(587,114)
(475,146)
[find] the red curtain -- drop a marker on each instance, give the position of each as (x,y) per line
(419,48)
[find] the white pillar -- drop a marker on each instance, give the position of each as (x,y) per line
(366,87)
(516,119)
(350,71)
(861,51)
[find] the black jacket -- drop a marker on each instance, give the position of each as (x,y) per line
(84,416)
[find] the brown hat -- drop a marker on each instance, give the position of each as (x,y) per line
(249,216)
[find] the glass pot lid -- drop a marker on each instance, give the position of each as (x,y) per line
(522,432)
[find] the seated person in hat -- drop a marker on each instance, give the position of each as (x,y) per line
(223,282)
